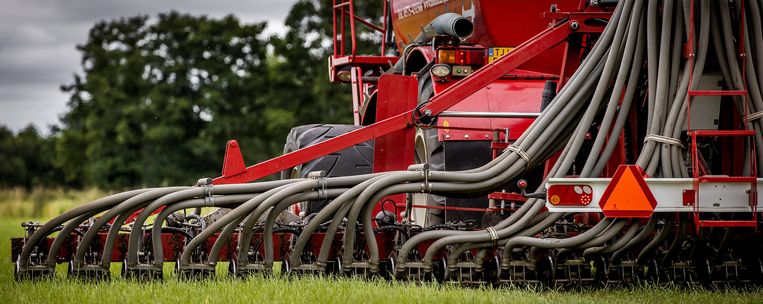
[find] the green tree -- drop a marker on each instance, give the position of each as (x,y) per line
(27,159)
(299,67)
(12,168)
(158,98)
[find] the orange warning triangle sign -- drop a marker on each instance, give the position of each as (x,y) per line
(627,195)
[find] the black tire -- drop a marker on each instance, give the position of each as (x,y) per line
(355,160)
(429,149)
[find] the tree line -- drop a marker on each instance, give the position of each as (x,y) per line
(159,96)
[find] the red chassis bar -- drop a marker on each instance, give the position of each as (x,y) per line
(547,39)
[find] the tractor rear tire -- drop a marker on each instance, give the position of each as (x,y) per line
(354,160)
(429,149)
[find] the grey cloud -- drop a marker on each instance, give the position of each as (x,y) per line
(38,40)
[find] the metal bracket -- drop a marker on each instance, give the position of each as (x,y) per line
(424,169)
(209,193)
(320,176)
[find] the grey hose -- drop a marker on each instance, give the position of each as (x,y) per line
(65,232)
(661,235)
(270,221)
(640,237)
(322,216)
(575,141)
(619,243)
(130,204)
(223,201)
(551,242)
(44,231)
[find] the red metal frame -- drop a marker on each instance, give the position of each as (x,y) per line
(358,98)
(494,71)
(699,171)
(396,150)
(467,209)
(346,8)
(341,12)
(464,88)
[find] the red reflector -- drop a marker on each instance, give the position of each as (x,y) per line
(627,195)
(570,195)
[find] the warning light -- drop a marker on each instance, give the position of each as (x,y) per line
(627,195)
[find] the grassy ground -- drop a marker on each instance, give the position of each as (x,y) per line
(42,203)
(314,290)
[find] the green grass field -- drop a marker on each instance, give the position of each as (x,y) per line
(314,290)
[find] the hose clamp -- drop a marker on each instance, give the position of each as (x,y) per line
(322,189)
(209,195)
(424,174)
(521,154)
(493,236)
(320,177)
(208,191)
(754,116)
(427,184)
(664,140)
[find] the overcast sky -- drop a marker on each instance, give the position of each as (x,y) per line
(38,39)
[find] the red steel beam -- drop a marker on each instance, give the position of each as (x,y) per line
(306,154)
(494,71)
(451,96)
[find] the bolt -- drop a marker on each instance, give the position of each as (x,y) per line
(447,136)
(466,135)
(428,112)
(233,144)
(574,25)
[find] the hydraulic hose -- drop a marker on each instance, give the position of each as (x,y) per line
(45,229)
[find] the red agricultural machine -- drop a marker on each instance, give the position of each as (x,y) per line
(637,125)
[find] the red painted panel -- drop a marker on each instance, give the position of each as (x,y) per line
(509,23)
(395,151)
(503,95)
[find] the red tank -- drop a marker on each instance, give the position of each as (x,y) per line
(497,23)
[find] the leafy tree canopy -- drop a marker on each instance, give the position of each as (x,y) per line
(159,97)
